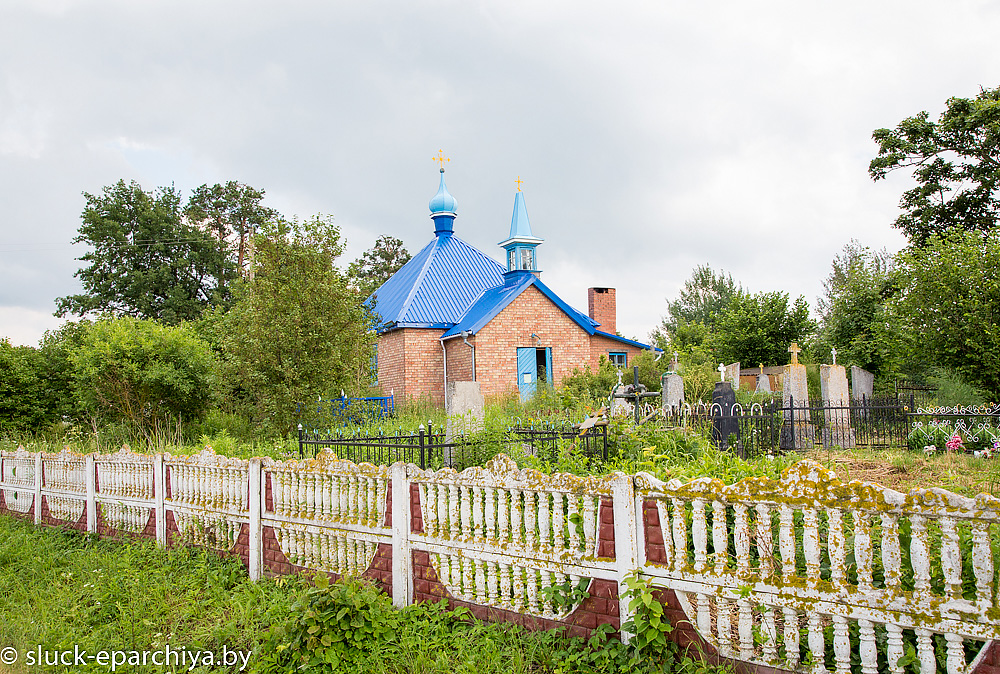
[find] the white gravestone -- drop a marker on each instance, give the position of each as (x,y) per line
(797,432)
(465,407)
(733,375)
(862,383)
(763,381)
(671,391)
(833,387)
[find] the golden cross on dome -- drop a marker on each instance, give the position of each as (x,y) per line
(440,159)
(519,182)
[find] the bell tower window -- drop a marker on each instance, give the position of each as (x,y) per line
(527,259)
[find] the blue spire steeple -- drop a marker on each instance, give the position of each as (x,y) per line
(521,243)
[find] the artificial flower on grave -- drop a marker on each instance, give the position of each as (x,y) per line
(955,444)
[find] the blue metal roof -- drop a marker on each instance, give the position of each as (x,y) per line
(623,340)
(437,287)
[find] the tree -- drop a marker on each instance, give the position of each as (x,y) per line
(955,161)
(377,265)
(296,330)
(854,311)
(702,300)
(142,372)
(146,261)
(758,328)
(228,211)
(22,401)
(949,310)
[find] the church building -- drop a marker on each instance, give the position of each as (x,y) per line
(452,313)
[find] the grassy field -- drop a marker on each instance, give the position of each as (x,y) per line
(903,469)
(62,590)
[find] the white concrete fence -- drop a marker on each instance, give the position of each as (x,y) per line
(767,572)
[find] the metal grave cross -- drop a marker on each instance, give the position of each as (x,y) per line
(794,350)
(833,352)
(722,372)
(676,356)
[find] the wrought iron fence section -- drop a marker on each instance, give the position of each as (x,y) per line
(430,448)
(789,426)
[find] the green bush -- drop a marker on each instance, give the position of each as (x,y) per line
(143,373)
(23,403)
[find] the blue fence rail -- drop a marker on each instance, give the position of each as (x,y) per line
(344,411)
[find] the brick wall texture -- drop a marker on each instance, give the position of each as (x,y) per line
(602,307)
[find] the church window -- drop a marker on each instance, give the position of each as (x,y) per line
(618,358)
(527,258)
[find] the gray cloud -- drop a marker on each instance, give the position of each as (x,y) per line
(652,136)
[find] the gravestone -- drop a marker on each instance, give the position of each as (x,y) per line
(837,401)
(763,381)
(671,391)
(732,374)
(465,407)
(724,424)
(797,431)
(862,383)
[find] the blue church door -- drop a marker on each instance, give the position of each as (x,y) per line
(532,365)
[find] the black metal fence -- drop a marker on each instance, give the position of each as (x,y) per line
(429,447)
(778,426)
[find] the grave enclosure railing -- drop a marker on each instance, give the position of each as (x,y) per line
(802,573)
(781,426)
(430,448)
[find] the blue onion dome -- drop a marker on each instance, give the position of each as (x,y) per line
(443,202)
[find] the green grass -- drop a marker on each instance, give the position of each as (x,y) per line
(60,589)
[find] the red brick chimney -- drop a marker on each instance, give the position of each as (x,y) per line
(601,303)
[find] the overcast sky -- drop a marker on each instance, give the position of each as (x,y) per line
(651,136)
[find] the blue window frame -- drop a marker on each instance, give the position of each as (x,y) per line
(618,358)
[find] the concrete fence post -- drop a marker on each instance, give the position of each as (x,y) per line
(402,568)
(626,546)
(90,475)
(159,498)
(255,502)
(38,488)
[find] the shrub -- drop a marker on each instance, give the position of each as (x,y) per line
(141,372)
(22,400)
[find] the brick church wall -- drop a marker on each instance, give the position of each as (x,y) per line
(410,364)
(410,361)
(460,360)
(601,346)
(498,341)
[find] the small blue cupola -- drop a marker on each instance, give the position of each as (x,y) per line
(444,209)
(521,243)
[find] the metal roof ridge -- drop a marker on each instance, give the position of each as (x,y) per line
(505,295)
(626,340)
(420,278)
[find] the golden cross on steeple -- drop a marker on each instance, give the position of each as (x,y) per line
(440,159)
(518,182)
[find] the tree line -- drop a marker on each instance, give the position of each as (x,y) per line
(929,314)
(219,303)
